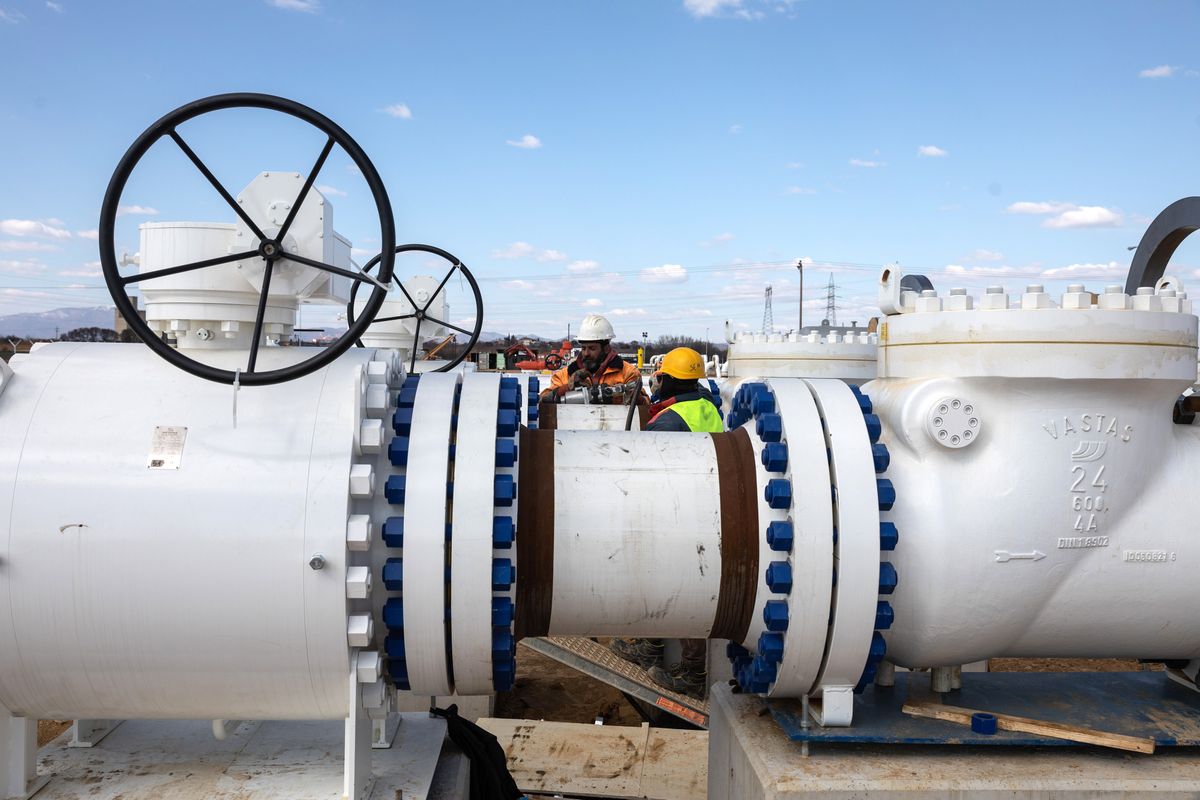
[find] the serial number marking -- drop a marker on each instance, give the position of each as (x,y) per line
(1079,542)
(1147,556)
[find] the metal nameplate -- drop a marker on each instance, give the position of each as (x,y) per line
(166,447)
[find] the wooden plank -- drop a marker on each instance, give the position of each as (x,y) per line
(581,760)
(1054,730)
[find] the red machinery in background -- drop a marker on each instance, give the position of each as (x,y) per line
(522,356)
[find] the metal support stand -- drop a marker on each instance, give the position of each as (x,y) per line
(18,758)
(383,731)
(89,732)
(358,778)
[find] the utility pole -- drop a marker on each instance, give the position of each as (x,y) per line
(768,325)
(706,345)
(800,318)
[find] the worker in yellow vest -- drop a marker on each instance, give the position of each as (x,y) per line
(684,405)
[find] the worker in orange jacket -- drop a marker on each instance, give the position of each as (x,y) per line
(597,365)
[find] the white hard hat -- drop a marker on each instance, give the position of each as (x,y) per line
(595,328)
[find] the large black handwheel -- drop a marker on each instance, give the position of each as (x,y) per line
(1168,230)
(421,313)
(269,249)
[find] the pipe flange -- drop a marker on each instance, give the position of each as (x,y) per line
(953,422)
(396,664)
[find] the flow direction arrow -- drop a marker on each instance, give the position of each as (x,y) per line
(1003,556)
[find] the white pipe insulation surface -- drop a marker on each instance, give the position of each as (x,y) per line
(133,591)
(1061,520)
(637,534)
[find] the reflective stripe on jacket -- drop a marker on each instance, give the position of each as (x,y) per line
(693,412)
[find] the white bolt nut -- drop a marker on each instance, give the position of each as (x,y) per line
(376,400)
(362,481)
(374,695)
(959,300)
(929,301)
(369,666)
(1076,298)
(1114,298)
(1146,300)
(358,533)
(370,436)
(358,583)
(377,372)
(360,629)
(1035,297)
(994,299)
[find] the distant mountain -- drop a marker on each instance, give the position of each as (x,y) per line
(48,324)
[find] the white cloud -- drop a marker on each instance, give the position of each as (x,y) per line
(526,142)
(1085,217)
(593,302)
(307,6)
(582,267)
(667,273)
(53,6)
(362,252)
(11,17)
(552,255)
(398,111)
(353,169)
(514,251)
(627,312)
(330,191)
(51,228)
(860,162)
(719,239)
(519,284)
(145,211)
(24,267)
(1086,270)
(25,246)
(983,254)
(931,151)
(709,8)
(958,269)
(1069,215)
(735,128)
(799,190)
(90,269)
(1162,71)
(795,165)
(93,234)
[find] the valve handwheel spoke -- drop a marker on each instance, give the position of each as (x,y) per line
(271,250)
(421,311)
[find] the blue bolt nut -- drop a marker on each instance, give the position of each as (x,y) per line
(864,402)
(735,652)
(533,412)
(502,611)
(407,397)
(503,574)
(779,577)
(393,532)
(887,493)
(504,532)
(775,615)
(889,537)
(770,646)
(868,675)
(393,613)
(769,427)
(502,641)
(399,672)
(745,676)
(780,536)
(393,645)
(503,673)
(884,616)
(402,421)
(874,427)
(398,451)
(878,648)
(778,493)
(764,673)
(506,453)
(507,422)
(411,380)
(393,490)
(887,578)
(881,456)
(393,574)
(982,722)
(775,457)
(763,403)
(504,490)
(510,398)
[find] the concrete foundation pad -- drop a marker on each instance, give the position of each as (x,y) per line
(751,758)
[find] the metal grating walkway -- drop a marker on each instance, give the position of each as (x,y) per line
(597,661)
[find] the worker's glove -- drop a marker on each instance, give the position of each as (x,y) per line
(580,378)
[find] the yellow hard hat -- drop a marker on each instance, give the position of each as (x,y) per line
(683,363)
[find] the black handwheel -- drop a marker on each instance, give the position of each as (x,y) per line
(421,313)
(1168,230)
(269,249)
(553,362)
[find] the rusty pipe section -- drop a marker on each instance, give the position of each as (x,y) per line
(648,535)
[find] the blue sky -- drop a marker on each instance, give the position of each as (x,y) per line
(660,161)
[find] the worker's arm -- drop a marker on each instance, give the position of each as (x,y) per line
(561,382)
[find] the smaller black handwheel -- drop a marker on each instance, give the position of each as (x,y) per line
(553,361)
(421,312)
